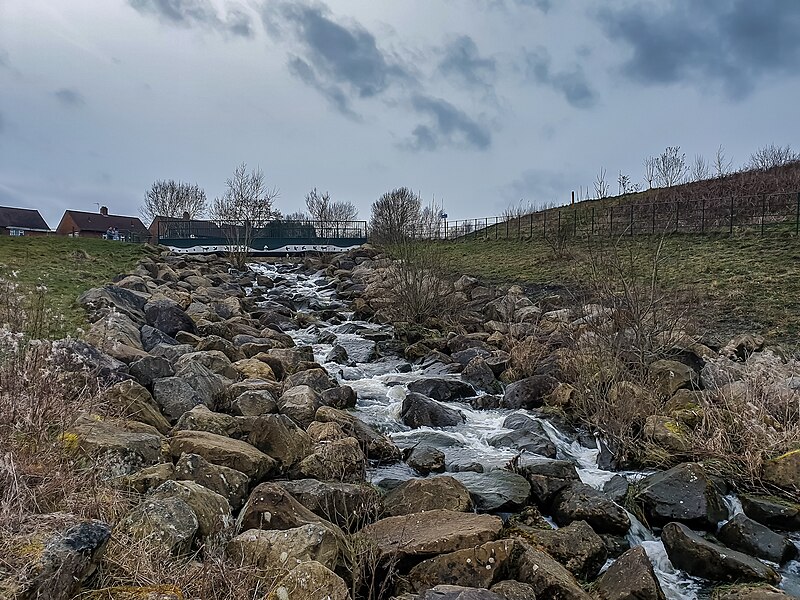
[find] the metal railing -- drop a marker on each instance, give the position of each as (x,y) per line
(210,230)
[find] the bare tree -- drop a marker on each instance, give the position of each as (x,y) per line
(624,183)
(332,216)
(650,170)
(601,185)
(244,208)
(297,216)
(671,167)
(700,170)
(722,164)
(170,198)
(395,216)
(772,156)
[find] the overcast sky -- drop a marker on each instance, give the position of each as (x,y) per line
(476,103)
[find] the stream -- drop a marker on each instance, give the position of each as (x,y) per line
(381,387)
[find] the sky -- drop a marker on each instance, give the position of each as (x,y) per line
(475,104)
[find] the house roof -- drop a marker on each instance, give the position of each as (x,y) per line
(91,221)
(22,218)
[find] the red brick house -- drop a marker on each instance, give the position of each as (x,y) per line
(76,223)
(18,222)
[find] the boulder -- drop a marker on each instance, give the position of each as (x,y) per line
(284,549)
(421,495)
(168,317)
(134,402)
(526,434)
(300,403)
(668,432)
(338,354)
(224,451)
(631,577)
(171,352)
(98,302)
(750,592)
(270,506)
(348,505)
(112,330)
(457,592)
(336,460)
(697,556)
(513,590)
(175,396)
(376,446)
(580,502)
(496,490)
(77,355)
(784,471)
(227,347)
(420,411)
(477,567)
(148,478)
(317,379)
(546,576)
(202,419)
(213,360)
(122,447)
(547,477)
(228,483)
(771,511)
(212,510)
(291,358)
(166,523)
(310,581)
(683,493)
(575,546)
(755,539)
(341,397)
(671,376)
(253,368)
(478,374)
(464,357)
(528,393)
(152,337)
(443,390)
(426,459)
(146,370)
(253,404)
(279,437)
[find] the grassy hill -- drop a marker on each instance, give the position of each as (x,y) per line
(66,267)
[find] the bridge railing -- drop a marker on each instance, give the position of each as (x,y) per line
(291,230)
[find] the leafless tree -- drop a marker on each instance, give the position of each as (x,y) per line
(700,170)
(170,198)
(332,216)
(297,216)
(395,216)
(625,185)
(772,156)
(650,170)
(722,164)
(601,185)
(671,167)
(244,208)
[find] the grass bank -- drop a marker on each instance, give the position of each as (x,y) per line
(66,267)
(742,284)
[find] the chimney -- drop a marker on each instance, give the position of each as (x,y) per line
(104,211)
(186,216)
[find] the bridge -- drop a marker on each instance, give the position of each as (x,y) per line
(272,238)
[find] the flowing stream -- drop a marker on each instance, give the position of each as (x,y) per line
(381,387)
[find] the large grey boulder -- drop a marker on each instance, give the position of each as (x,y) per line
(547,477)
(279,437)
(270,506)
(168,317)
(335,460)
(300,403)
(443,390)
(376,446)
(755,539)
(224,451)
(175,396)
(212,510)
(631,577)
(581,502)
(575,546)
(310,581)
(771,511)
(528,393)
(348,505)
(285,549)
(420,495)
(120,447)
(166,523)
(228,483)
(134,402)
(496,490)
(420,411)
(98,302)
(150,368)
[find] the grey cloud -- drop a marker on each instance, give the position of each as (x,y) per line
(332,93)
(194,13)
(69,97)
(572,84)
(538,186)
(542,5)
(462,62)
(732,43)
(449,127)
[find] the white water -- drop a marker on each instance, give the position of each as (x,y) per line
(381,390)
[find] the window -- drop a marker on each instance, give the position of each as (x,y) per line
(13,231)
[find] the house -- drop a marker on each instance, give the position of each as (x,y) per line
(76,223)
(18,222)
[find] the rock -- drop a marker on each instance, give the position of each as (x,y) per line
(496,490)
(575,546)
(561,396)
(527,434)
(477,567)
(719,372)
(671,376)
(443,390)
(742,346)
(784,471)
(376,446)
(300,403)
(98,302)
(317,379)
(77,355)
(134,402)
(771,511)
(464,357)
(348,505)
(284,549)
(112,330)
(750,592)
(272,507)
(750,537)
(310,581)
(146,370)
(152,337)
(224,451)
(684,493)
(338,354)
(202,419)
(426,459)
(668,433)
(228,483)
(478,374)
(528,393)
(212,510)
(341,397)
(546,576)
(697,556)
(336,460)
(254,369)
(631,577)
(422,535)
(175,396)
(292,357)
(228,348)
(254,403)
(457,592)
(278,437)
(122,447)
(213,360)
(67,561)
(616,488)
(580,502)
(166,316)
(547,478)
(166,523)
(420,411)
(171,352)
(144,480)
(513,590)
(422,495)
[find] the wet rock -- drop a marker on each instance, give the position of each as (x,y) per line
(616,488)
(528,393)
(478,374)
(348,505)
(426,459)
(272,507)
(671,376)
(422,495)
(697,556)
(212,510)
(546,576)
(300,403)
(421,411)
(292,357)
(496,490)
(317,379)
(376,446)
(228,483)
(166,316)
(784,471)
(547,478)
(310,581)
(341,397)
(430,533)
(683,493)
(224,451)
(464,357)
(166,523)
(771,511)
(750,537)
(175,396)
(750,592)
(477,567)
(457,592)
(513,590)
(134,402)
(631,577)
(253,404)
(122,447)
(338,354)
(150,368)
(279,437)
(151,337)
(527,434)
(668,432)
(335,460)
(579,501)
(443,390)
(284,549)
(575,546)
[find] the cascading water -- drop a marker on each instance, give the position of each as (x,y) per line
(381,388)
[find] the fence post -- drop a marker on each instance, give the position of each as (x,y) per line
(763,211)
(611,223)
(506,228)
(631,219)
(593,218)
(653,221)
(677,212)
(476,228)
(731,223)
(496,228)
(530,226)
(558,231)
(797,217)
(544,225)
(703,217)
(575,223)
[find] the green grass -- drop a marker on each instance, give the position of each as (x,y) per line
(66,267)
(745,283)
